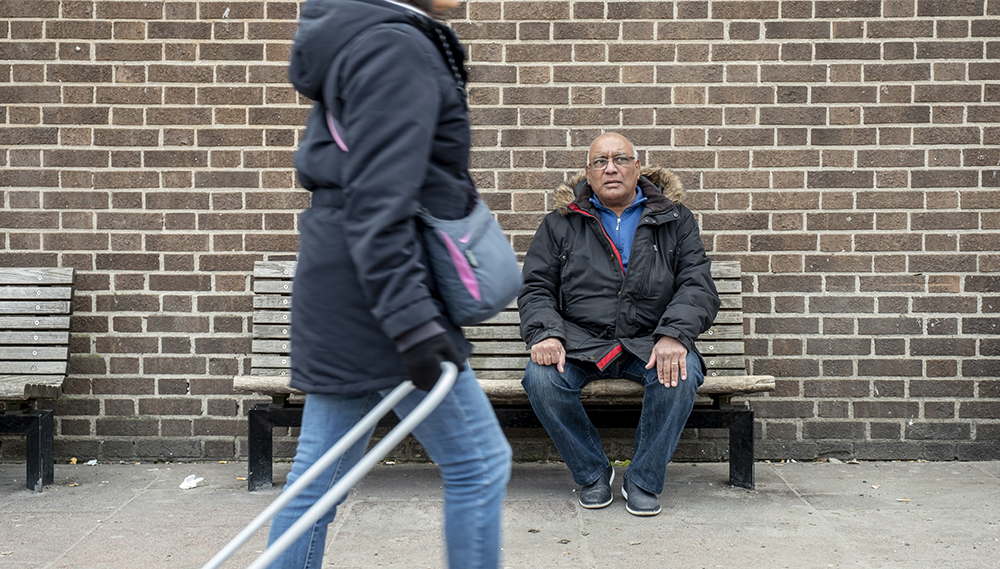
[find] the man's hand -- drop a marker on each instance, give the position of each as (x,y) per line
(670,358)
(549,351)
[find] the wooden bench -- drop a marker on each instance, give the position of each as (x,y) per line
(35,308)
(499,358)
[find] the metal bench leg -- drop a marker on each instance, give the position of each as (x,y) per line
(741,452)
(260,422)
(40,455)
(259,451)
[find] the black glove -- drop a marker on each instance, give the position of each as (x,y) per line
(423,360)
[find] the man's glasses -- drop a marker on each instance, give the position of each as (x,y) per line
(620,161)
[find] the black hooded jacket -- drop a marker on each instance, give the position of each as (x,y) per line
(362,292)
(575,288)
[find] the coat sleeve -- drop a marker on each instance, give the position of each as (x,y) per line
(390,103)
(538,301)
(695,303)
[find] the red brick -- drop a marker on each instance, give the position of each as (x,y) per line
(631,53)
(690,30)
(844,94)
(639,10)
(886,409)
(937,431)
(583,30)
(843,137)
(897,72)
(947,135)
(536,11)
(947,93)
(900,29)
(689,74)
(231,52)
(836,9)
(744,10)
(793,73)
(937,8)
(891,158)
(542,53)
(798,30)
(745,52)
(840,179)
(741,137)
(736,180)
(740,95)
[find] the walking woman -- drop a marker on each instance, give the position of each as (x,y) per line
(388,134)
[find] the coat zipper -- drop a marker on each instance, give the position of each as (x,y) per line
(618,255)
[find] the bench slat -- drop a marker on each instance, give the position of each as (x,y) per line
(271,346)
(713,348)
(269,361)
(725,269)
(729,287)
(34,323)
(32,368)
(491,332)
(272,287)
(272,317)
(35,292)
(40,307)
(724,332)
(509,390)
(505,317)
(730,302)
(20,387)
(36,276)
(729,317)
(264,371)
(271,331)
(272,302)
(274,269)
(266,384)
(33,353)
(36,338)
(725,362)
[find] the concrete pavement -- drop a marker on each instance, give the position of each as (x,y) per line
(801,515)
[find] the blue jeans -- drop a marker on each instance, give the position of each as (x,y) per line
(555,398)
(461,436)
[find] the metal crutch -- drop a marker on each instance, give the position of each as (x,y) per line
(449,372)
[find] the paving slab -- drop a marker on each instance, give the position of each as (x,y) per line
(940,515)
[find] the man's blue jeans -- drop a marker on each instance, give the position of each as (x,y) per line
(461,436)
(555,398)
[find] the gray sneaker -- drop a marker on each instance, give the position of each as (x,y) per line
(638,502)
(598,494)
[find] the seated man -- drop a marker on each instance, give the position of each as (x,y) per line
(616,285)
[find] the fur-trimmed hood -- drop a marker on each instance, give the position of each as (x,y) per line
(578,189)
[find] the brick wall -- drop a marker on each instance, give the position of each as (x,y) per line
(846,152)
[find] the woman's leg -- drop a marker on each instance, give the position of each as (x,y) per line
(465,440)
(325,420)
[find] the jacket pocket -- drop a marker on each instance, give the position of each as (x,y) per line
(659,278)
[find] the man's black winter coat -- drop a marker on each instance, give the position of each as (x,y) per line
(575,288)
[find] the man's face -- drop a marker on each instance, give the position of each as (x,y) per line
(614,184)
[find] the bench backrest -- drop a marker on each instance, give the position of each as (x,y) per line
(35,309)
(499,352)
